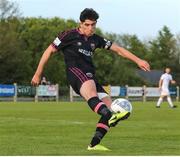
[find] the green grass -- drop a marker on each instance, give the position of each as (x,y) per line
(66,129)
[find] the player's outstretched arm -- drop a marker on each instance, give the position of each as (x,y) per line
(125,53)
(173,82)
(45,57)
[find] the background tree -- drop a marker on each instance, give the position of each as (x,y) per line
(176,61)
(13,61)
(23,40)
(162,49)
(8,9)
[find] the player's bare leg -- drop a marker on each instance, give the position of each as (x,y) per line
(170,102)
(160,100)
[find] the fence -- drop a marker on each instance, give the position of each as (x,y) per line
(53,92)
(134,93)
(28,93)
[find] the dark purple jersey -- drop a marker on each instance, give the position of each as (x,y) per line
(78,49)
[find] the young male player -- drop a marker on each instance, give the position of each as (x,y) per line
(164,81)
(78,46)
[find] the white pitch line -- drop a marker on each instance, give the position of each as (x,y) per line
(5,119)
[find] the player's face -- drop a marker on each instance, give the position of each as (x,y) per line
(168,70)
(88,27)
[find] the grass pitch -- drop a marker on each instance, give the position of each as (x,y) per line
(66,129)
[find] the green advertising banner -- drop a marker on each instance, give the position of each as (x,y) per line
(26,91)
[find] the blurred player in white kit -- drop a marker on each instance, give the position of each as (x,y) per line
(164,81)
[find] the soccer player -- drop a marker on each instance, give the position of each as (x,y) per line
(164,81)
(78,46)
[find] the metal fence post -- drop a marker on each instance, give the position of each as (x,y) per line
(57,92)
(71,94)
(144,93)
(15,92)
(126,92)
(36,95)
(177,97)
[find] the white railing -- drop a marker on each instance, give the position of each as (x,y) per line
(143,92)
(13,92)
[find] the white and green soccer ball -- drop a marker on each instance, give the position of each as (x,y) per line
(121,105)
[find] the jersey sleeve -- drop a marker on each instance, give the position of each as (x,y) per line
(170,77)
(61,40)
(162,77)
(103,43)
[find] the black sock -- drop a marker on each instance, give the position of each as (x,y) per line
(102,127)
(101,131)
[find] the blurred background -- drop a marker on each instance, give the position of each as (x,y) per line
(148,28)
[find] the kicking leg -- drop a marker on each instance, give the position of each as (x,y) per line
(102,126)
(88,91)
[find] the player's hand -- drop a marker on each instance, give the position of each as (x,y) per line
(144,65)
(173,82)
(35,80)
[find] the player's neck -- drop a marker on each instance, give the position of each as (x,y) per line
(80,30)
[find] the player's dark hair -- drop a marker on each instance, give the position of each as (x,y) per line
(88,14)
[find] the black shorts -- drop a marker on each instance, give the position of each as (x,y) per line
(77,77)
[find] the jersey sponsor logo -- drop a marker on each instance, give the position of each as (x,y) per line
(92,46)
(90,75)
(57,42)
(85,52)
(108,43)
(79,43)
